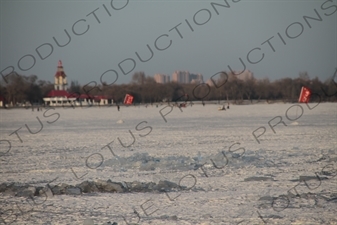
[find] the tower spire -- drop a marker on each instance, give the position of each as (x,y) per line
(60,78)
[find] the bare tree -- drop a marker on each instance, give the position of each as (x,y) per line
(304,76)
(262,89)
(75,87)
(138,78)
(249,88)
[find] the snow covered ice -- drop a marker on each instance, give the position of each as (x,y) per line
(233,179)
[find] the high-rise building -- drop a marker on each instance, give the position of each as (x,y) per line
(178,76)
(181,77)
(185,77)
(161,78)
(230,76)
(210,82)
(244,75)
(196,78)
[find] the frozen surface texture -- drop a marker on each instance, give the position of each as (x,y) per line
(225,175)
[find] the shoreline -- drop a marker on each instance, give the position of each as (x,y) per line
(213,102)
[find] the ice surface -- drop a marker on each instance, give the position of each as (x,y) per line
(184,149)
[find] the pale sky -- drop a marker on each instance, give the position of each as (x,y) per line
(218,40)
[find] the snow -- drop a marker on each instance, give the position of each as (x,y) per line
(74,142)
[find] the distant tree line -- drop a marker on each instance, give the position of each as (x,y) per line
(21,89)
(226,86)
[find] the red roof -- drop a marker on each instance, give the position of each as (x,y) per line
(60,74)
(57,93)
(100,97)
(85,96)
(73,95)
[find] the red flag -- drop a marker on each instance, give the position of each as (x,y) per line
(305,95)
(128,99)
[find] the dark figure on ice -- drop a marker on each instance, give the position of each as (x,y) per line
(118,107)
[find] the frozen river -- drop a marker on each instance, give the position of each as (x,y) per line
(251,164)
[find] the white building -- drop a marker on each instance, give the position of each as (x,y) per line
(61,97)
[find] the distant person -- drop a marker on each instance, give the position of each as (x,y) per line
(228,106)
(203,103)
(118,107)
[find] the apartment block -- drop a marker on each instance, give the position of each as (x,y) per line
(184,77)
(162,78)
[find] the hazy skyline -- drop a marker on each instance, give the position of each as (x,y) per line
(109,33)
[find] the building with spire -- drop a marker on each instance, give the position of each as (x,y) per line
(60,78)
(61,97)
